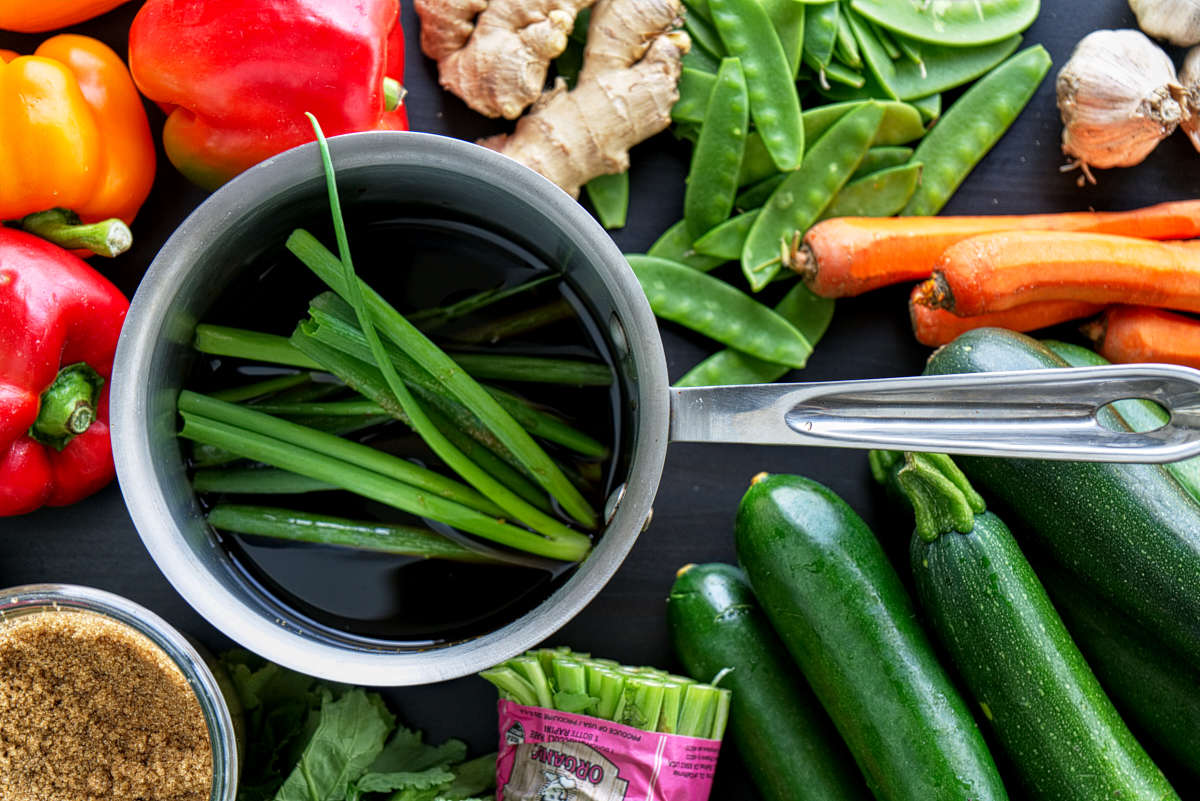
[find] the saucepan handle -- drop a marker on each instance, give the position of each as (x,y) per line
(1042,414)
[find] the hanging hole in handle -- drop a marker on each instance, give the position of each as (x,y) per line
(1139,414)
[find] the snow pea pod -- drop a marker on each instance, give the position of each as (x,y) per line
(801,198)
(881,158)
(609,195)
(973,124)
(675,244)
(788,18)
(701,60)
(704,35)
(695,87)
(874,55)
(699,8)
(810,315)
(840,73)
(880,194)
(930,108)
(756,194)
(820,34)
(719,311)
(944,68)
(747,33)
(886,41)
(846,47)
(717,157)
(756,161)
(901,122)
(956,23)
(725,241)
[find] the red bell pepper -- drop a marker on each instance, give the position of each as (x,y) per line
(236,76)
(59,322)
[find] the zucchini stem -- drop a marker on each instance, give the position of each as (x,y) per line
(942,498)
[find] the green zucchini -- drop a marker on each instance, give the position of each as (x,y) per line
(1155,690)
(1060,730)
(1130,532)
(839,607)
(1140,415)
(786,740)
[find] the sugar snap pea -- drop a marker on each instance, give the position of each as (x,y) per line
(675,244)
(726,240)
(717,158)
(801,198)
(747,33)
(954,23)
(881,158)
(880,194)
(820,34)
(973,124)
(756,194)
(788,18)
(695,87)
(810,315)
(717,310)
(609,195)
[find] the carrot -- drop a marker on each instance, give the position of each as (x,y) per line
(846,256)
(935,327)
(1141,334)
(993,272)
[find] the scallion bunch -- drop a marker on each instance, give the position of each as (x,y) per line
(642,697)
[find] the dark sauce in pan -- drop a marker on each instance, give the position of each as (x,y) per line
(415,263)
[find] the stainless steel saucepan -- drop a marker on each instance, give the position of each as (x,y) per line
(1047,414)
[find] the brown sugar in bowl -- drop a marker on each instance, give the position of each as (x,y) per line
(100,699)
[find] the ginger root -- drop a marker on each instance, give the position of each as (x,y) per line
(624,95)
(495,55)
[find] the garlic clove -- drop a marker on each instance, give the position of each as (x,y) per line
(1118,97)
(1189,76)
(1177,21)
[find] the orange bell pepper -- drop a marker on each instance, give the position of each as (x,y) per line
(73,135)
(35,16)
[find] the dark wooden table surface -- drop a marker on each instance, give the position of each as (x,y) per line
(94,542)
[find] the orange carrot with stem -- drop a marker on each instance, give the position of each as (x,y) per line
(936,327)
(1128,334)
(994,272)
(846,256)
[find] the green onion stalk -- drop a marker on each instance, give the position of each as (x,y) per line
(642,697)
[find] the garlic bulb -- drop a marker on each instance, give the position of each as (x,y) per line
(1189,76)
(1177,21)
(1118,97)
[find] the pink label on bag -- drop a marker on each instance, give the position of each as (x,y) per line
(546,755)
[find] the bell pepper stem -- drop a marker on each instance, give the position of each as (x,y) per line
(393,94)
(108,238)
(68,406)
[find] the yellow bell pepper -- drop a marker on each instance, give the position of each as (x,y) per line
(73,133)
(35,16)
